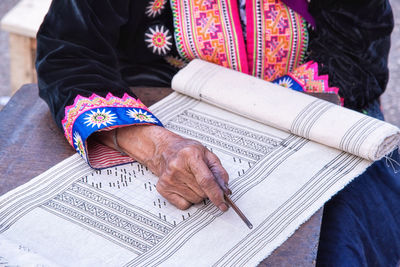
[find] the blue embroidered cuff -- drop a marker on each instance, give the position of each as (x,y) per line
(89,115)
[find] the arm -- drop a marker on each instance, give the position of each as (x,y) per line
(78,75)
(79,78)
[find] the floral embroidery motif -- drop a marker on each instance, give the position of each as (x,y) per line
(277,38)
(176,62)
(210,30)
(155,8)
(84,104)
(99,118)
(79,146)
(286,82)
(141,115)
(158,39)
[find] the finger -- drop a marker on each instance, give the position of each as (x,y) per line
(175,199)
(188,178)
(219,172)
(178,201)
(208,184)
(194,186)
(188,194)
(181,189)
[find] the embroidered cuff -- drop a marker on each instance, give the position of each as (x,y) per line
(88,115)
(305,78)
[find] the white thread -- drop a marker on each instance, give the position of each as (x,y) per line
(392,163)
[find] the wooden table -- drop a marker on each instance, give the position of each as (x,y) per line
(31,143)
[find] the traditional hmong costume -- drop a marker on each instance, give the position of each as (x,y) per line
(91,52)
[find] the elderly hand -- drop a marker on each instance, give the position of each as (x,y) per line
(188,172)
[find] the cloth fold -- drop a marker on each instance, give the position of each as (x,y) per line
(291,111)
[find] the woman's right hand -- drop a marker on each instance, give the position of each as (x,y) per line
(188,172)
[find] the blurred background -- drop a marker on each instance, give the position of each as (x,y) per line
(5,89)
(18,29)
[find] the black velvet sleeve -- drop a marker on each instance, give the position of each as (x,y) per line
(351,43)
(76,52)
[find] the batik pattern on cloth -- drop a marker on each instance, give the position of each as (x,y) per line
(210,30)
(277,38)
(95,113)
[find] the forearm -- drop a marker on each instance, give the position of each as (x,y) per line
(138,141)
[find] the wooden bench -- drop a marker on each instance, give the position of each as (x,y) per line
(22,22)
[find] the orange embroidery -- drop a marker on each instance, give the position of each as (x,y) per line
(210,30)
(307,76)
(277,38)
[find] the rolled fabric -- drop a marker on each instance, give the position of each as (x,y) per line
(288,110)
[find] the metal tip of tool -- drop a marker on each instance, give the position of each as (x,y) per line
(247,222)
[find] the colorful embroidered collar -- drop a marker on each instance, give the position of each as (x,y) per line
(277,36)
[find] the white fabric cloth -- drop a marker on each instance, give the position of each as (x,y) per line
(74,216)
(289,110)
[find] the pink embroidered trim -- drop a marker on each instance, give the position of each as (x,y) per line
(307,76)
(83,104)
(210,30)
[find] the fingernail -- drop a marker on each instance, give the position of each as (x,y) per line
(229,192)
(226,189)
(223,207)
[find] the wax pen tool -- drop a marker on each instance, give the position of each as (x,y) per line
(236,209)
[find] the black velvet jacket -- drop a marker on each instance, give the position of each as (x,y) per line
(97,46)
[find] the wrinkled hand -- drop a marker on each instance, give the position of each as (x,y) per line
(188,172)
